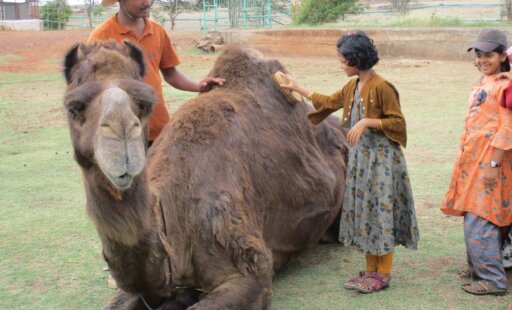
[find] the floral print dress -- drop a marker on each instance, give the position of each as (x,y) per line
(378,206)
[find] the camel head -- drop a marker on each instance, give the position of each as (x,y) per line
(108,105)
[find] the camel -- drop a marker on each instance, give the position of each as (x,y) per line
(236,184)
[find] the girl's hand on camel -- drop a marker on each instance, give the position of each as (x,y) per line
(356,132)
(490,177)
(290,82)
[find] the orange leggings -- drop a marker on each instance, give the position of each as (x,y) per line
(379,263)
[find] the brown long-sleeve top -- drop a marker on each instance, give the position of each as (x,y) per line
(380,100)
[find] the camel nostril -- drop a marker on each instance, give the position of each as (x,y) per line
(123,176)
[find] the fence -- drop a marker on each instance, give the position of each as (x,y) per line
(243,13)
(473,12)
(222,14)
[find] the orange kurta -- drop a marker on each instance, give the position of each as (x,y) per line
(487,126)
(159,54)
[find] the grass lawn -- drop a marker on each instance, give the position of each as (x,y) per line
(50,253)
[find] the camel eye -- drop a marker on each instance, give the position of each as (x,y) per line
(76,110)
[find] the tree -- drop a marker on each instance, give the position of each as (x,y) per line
(90,5)
(316,12)
(401,6)
(55,14)
(173,8)
(98,11)
(507,9)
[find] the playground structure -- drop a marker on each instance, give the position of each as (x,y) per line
(244,13)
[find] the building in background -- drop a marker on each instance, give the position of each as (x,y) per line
(12,10)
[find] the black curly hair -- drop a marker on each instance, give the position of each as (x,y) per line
(505,66)
(358,49)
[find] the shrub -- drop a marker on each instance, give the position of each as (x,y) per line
(401,6)
(55,14)
(316,12)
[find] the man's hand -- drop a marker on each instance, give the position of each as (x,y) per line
(208,82)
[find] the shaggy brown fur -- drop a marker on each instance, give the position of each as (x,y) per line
(243,179)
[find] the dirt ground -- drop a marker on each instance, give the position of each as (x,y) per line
(44,50)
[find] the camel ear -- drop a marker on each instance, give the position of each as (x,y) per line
(71,59)
(137,55)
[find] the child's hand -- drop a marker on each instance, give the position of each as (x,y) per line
(490,177)
(290,82)
(356,132)
(504,75)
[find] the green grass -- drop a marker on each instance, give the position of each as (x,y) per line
(5,59)
(50,253)
(408,21)
(13,78)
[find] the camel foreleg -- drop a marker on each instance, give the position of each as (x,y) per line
(243,292)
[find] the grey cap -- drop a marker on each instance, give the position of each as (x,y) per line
(488,40)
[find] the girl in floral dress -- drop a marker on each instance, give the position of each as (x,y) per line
(481,184)
(378,208)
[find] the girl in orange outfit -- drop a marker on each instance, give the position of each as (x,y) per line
(481,184)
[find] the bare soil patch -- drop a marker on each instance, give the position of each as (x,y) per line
(44,50)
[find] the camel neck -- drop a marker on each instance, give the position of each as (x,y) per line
(118,215)
(130,234)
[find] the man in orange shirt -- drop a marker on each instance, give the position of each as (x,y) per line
(132,23)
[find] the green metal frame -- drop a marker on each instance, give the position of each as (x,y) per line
(242,13)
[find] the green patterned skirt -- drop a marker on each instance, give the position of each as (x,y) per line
(378,206)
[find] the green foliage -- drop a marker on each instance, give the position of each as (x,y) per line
(55,14)
(401,6)
(417,21)
(98,11)
(171,9)
(317,12)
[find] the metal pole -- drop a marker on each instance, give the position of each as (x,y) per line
(269,13)
(245,13)
(215,8)
(204,17)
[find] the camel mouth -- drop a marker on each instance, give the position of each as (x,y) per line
(122,182)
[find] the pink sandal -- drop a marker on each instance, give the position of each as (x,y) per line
(373,282)
(352,283)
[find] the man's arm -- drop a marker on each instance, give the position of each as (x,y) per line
(179,81)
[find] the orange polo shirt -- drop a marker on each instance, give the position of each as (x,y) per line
(159,54)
